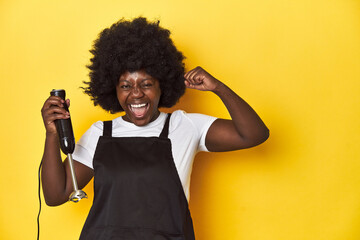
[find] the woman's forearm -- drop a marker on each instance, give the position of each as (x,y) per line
(53,174)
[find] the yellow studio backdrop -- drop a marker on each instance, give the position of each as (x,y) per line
(297,62)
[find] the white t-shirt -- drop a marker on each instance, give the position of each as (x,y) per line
(187,132)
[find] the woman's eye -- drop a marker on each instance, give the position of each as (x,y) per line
(146,85)
(125,86)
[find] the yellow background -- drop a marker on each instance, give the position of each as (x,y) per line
(297,62)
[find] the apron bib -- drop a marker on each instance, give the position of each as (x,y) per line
(137,191)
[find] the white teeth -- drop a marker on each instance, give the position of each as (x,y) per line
(138,105)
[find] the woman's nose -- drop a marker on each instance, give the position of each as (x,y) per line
(137,92)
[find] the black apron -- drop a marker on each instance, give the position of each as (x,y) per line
(137,191)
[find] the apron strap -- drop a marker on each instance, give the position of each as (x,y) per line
(107,129)
(164,133)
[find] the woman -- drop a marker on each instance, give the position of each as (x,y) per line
(141,162)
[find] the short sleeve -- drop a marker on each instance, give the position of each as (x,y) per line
(85,147)
(202,123)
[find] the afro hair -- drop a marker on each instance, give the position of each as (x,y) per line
(131,46)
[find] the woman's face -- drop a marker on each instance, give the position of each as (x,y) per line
(139,94)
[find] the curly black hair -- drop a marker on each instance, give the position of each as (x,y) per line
(131,46)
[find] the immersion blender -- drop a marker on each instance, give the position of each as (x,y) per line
(67,145)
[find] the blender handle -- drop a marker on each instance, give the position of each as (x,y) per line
(67,145)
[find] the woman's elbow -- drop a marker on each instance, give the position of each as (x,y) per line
(263,136)
(53,202)
(258,138)
(266,135)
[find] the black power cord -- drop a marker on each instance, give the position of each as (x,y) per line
(39,194)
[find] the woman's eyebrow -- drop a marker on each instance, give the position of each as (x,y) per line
(142,80)
(123,80)
(149,78)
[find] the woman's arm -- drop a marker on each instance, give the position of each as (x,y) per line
(55,174)
(244,130)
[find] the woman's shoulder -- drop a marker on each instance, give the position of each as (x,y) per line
(195,119)
(98,125)
(181,114)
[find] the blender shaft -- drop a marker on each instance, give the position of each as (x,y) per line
(73,176)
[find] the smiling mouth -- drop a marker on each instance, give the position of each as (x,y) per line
(139,110)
